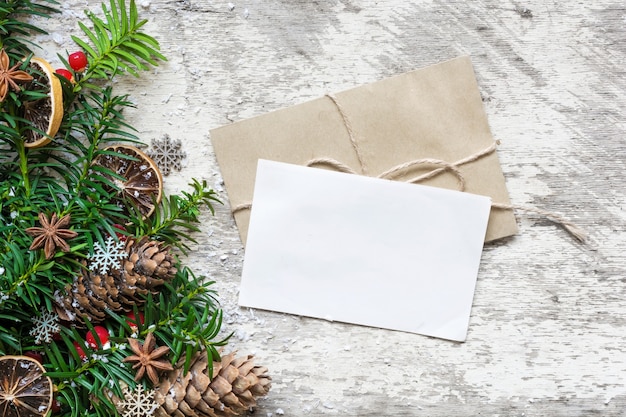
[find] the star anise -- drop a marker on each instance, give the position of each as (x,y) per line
(9,77)
(51,234)
(146,358)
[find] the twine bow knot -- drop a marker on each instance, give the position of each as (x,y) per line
(441,168)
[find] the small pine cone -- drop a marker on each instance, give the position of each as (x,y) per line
(88,296)
(149,264)
(236,384)
(91,294)
(150,259)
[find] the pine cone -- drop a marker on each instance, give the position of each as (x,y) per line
(148,265)
(236,385)
(150,259)
(87,297)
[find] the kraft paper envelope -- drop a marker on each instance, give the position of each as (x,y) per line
(435,112)
(384,253)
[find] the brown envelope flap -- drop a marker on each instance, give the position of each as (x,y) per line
(435,112)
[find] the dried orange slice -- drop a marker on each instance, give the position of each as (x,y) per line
(143,182)
(45,113)
(24,389)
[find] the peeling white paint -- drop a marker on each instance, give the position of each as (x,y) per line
(548,327)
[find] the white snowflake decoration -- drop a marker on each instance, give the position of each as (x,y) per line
(137,403)
(108,257)
(167,154)
(45,327)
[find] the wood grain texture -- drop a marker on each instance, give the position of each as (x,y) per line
(548,328)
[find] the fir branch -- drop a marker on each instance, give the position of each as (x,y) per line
(176,216)
(23,165)
(99,119)
(187,318)
(183,316)
(25,276)
(62,178)
(14,31)
(9,340)
(10,316)
(117,44)
(98,374)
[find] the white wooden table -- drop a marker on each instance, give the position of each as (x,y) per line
(548,328)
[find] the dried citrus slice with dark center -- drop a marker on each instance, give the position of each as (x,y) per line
(142,182)
(44,113)
(24,389)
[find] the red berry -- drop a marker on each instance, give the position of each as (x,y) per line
(120,236)
(101,333)
(133,320)
(35,355)
(65,73)
(56,406)
(78,61)
(80,350)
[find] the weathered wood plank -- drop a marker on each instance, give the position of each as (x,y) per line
(548,326)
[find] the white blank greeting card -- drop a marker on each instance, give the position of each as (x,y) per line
(363,250)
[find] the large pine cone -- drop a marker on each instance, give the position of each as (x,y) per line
(149,264)
(236,384)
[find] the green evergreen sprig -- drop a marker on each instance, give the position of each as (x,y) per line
(177,216)
(117,44)
(61,178)
(14,32)
(185,318)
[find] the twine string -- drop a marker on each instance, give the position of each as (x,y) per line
(332,163)
(575,231)
(442,167)
(393,172)
(348,125)
(241,207)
